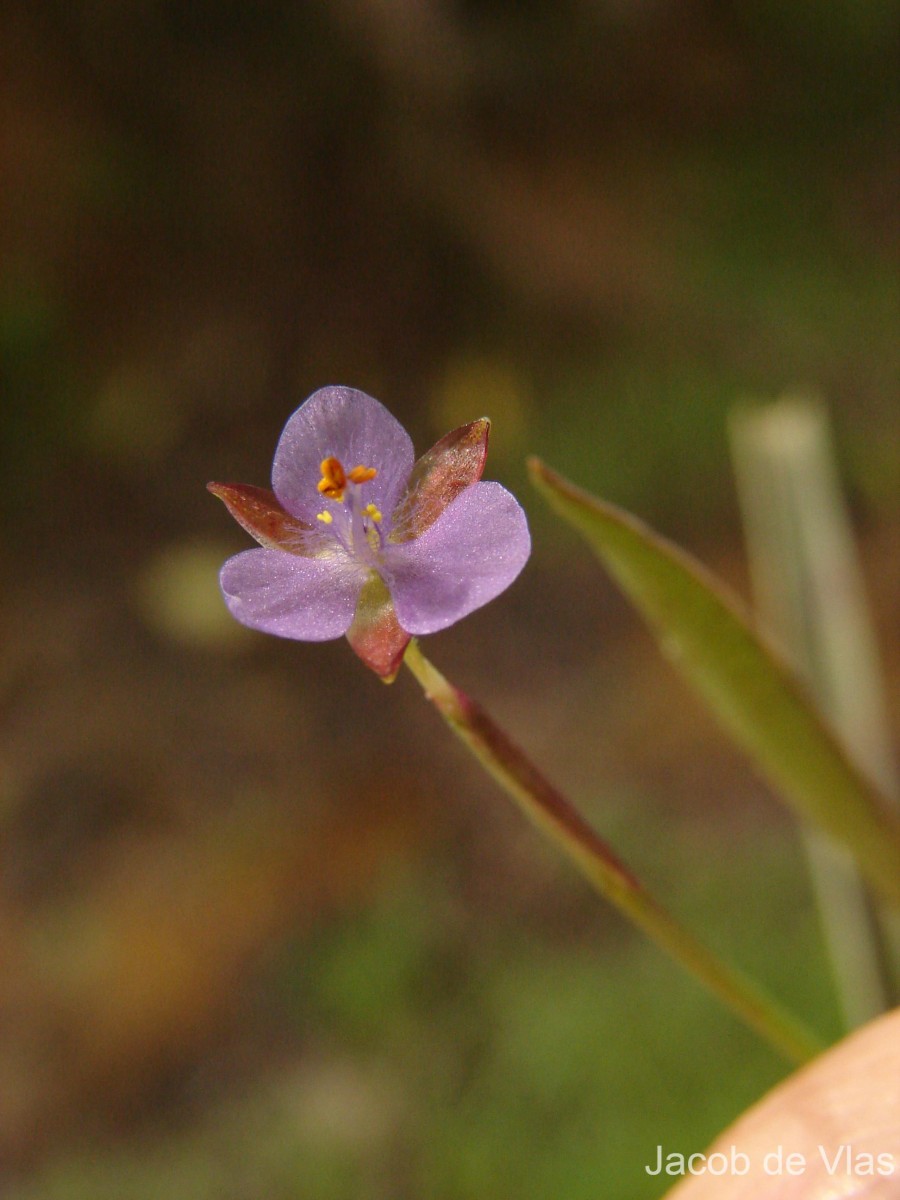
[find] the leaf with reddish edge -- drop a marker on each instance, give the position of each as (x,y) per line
(746,684)
(257,510)
(447,469)
(375,634)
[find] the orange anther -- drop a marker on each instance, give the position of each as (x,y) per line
(362,474)
(333,479)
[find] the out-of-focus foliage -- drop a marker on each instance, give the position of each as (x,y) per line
(437,1068)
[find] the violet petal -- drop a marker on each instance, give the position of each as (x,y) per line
(471,553)
(310,599)
(352,427)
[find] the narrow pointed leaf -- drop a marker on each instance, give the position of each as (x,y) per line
(703,629)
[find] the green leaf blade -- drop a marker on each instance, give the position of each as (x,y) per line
(756,698)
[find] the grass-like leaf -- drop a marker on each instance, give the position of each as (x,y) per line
(757,699)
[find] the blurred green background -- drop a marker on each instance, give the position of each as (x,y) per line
(263,931)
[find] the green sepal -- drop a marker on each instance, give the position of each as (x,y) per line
(258,511)
(447,469)
(375,635)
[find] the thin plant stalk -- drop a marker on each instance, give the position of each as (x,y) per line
(810,595)
(556,817)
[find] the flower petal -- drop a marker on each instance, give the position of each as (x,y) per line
(310,599)
(375,634)
(258,511)
(451,465)
(471,553)
(343,423)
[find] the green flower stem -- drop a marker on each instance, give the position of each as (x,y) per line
(552,813)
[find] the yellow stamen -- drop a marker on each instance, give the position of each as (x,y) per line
(372,511)
(325,517)
(333,481)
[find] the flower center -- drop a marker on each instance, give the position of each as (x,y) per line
(356,527)
(334,479)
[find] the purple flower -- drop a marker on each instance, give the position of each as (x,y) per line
(360,540)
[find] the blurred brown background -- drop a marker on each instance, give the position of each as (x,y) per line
(262,930)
